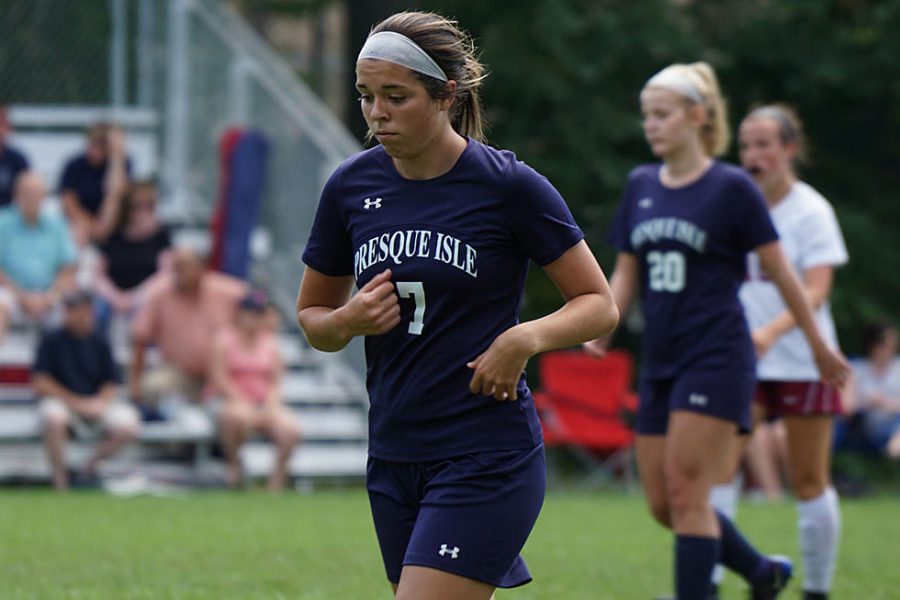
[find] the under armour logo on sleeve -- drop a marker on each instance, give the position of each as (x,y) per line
(369,203)
(454,552)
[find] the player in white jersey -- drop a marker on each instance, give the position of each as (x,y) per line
(789,386)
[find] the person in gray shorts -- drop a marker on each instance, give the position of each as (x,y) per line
(76,380)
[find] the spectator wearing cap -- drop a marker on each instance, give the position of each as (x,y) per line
(12,162)
(37,256)
(76,380)
(93,183)
(247,371)
(182,313)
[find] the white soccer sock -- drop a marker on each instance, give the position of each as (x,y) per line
(819,521)
(724,498)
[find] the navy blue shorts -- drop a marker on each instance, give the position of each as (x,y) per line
(469,516)
(725,395)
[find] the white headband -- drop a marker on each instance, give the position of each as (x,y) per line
(671,78)
(397,48)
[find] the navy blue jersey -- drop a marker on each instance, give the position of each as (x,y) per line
(691,245)
(458,246)
(12,162)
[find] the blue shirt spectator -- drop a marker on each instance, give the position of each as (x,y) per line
(32,252)
(37,256)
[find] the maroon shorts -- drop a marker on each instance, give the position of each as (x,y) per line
(797,398)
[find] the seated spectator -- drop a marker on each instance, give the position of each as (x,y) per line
(93,182)
(76,380)
(134,251)
(37,257)
(182,313)
(247,370)
(12,162)
(877,379)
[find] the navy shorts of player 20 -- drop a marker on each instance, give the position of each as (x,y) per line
(469,516)
(725,395)
(691,245)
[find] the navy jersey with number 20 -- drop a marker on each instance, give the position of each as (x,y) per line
(458,246)
(691,244)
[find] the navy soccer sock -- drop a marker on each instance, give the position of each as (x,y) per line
(695,558)
(737,554)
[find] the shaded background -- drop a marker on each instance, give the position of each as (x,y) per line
(565,75)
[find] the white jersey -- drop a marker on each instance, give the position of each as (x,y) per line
(811,237)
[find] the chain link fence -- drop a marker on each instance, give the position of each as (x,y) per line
(54,52)
(194,68)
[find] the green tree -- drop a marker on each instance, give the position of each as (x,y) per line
(565,75)
(54,52)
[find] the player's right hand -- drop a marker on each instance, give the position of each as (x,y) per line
(596,348)
(833,367)
(375,309)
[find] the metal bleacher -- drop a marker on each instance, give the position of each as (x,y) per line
(182,73)
(328,401)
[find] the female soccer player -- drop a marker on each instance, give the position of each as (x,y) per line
(682,233)
(789,385)
(437,229)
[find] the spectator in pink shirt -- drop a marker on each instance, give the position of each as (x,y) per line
(247,370)
(182,314)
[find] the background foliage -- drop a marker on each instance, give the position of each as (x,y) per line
(565,75)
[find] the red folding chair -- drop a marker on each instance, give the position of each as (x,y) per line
(584,406)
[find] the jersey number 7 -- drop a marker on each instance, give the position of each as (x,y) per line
(414,289)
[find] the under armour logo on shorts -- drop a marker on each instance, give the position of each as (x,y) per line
(369,203)
(698,400)
(445,550)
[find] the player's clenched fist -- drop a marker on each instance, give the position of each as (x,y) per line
(375,309)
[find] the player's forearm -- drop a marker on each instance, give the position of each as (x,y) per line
(624,287)
(582,318)
(324,328)
(786,320)
(798,305)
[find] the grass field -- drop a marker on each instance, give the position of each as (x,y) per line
(221,545)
